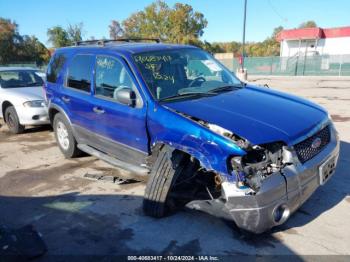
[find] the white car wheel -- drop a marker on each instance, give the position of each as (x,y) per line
(62,135)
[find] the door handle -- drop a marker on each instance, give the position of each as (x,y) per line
(65,99)
(98,110)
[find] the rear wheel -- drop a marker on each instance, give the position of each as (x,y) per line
(170,167)
(12,121)
(64,137)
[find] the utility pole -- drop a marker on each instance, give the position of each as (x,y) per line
(243,42)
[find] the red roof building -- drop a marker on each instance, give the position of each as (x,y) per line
(315,41)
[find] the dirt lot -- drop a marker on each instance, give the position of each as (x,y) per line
(80,216)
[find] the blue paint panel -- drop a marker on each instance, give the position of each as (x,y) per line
(211,149)
(258,114)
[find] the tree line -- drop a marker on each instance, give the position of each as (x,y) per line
(16,48)
(171,24)
(269,47)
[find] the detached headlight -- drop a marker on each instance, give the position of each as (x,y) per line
(242,143)
(35,103)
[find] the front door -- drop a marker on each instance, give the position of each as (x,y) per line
(120,129)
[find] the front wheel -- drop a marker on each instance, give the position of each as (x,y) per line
(64,137)
(12,121)
(169,168)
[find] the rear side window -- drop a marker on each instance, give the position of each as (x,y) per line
(79,72)
(55,67)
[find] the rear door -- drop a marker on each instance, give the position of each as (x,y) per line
(120,129)
(76,94)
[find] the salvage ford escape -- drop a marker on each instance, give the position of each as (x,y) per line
(205,139)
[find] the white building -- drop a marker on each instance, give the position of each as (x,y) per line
(314,41)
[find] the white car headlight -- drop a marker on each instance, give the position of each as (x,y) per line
(34,103)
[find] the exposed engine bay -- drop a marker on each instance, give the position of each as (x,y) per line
(259,162)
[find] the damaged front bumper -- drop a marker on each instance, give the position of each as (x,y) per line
(280,194)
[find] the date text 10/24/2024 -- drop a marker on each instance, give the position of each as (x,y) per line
(173,258)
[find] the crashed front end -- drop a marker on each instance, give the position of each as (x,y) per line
(271,181)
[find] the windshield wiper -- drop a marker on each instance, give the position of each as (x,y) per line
(226,88)
(187,94)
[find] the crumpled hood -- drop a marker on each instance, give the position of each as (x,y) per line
(258,114)
(26,93)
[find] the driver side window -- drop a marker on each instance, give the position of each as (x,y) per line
(111,76)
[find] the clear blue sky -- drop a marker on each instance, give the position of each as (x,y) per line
(224,16)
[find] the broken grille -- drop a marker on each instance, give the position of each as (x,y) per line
(305,149)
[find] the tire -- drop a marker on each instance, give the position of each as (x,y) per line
(168,167)
(64,137)
(12,121)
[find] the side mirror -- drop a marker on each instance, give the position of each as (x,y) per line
(126,96)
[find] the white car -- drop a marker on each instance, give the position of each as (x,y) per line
(22,98)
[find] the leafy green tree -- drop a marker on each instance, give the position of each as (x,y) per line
(179,24)
(33,50)
(75,32)
(58,36)
(308,24)
(276,31)
(212,47)
(186,25)
(9,36)
(17,48)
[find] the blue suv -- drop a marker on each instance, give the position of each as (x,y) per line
(204,139)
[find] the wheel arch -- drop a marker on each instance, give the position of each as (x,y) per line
(6,104)
(156,147)
(53,110)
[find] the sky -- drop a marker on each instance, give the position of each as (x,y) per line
(225,17)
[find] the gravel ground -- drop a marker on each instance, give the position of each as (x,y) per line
(81,216)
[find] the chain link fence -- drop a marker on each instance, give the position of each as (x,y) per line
(317,65)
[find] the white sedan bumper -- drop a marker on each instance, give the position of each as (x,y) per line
(33,115)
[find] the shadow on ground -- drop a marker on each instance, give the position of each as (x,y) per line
(115,225)
(73,224)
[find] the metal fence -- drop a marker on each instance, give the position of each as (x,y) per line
(317,65)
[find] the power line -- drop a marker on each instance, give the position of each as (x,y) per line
(284,19)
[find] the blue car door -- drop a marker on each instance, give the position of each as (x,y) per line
(119,129)
(76,94)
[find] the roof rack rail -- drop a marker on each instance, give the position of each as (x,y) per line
(102,42)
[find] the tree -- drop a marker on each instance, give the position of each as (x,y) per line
(276,31)
(8,37)
(59,37)
(75,32)
(180,24)
(115,30)
(308,24)
(33,50)
(186,25)
(17,48)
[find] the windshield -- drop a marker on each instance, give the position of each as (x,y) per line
(19,78)
(183,72)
